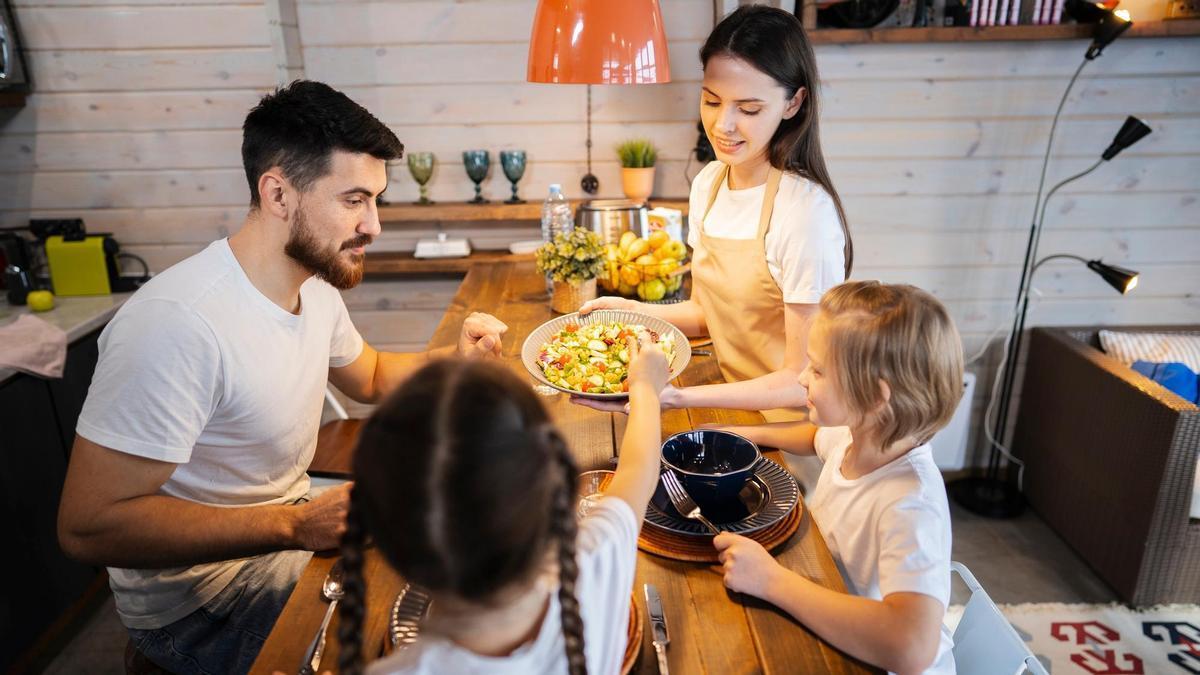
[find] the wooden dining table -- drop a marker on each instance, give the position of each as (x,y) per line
(712,629)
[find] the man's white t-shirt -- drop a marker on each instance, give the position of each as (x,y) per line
(606,552)
(805,244)
(202,370)
(888,531)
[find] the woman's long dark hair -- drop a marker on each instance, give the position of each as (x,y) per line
(464,484)
(774,42)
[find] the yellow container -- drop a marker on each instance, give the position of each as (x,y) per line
(77,267)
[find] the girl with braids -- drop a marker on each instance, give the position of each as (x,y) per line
(766,226)
(468,490)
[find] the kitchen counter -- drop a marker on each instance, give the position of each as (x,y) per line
(77,315)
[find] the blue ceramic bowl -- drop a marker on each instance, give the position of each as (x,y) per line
(712,465)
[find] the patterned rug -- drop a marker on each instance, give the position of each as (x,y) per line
(1107,639)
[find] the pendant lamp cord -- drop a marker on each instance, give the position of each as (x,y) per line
(589,128)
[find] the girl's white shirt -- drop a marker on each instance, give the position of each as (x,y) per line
(606,552)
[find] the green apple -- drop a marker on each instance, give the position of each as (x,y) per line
(40,301)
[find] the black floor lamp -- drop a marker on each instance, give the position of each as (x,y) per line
(994,493)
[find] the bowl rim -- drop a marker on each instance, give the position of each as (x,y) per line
(749,467)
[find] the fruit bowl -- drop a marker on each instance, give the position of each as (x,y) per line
(649,269)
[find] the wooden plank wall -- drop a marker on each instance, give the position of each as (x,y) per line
(935,148)
(136,121)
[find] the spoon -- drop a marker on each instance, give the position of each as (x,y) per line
(332,591)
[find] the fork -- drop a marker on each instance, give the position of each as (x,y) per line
(683,502)
(410,608)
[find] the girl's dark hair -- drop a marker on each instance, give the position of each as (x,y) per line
(298,127)
(463,483)
(775,43)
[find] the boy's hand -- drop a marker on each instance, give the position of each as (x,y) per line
(747,565)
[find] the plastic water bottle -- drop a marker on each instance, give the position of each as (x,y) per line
(556,218)
(556,214)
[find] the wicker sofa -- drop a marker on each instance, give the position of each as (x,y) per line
(1110,463)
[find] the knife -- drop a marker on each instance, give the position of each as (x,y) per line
(658,627)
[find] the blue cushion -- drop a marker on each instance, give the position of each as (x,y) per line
(1174,376)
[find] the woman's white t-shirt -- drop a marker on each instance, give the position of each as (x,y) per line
(805,243)
(888,531)
(606,552)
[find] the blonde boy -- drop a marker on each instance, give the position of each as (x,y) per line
(884,373)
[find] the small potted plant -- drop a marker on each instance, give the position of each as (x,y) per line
(573,260)
(637,168)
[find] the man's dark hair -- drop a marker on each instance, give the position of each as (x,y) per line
(298,127)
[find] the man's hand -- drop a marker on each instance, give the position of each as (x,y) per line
(322,521)
(747,565)
(480,335)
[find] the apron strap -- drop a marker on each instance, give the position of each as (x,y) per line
(774,176)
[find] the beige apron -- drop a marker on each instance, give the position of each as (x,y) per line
(744,308)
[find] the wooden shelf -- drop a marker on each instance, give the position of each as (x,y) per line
(460,211)
(384,264)
(1066,31)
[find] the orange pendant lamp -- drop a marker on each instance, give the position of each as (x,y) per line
(598,42)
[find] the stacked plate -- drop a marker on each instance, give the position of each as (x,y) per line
(767,510)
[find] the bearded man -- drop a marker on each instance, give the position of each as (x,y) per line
(187,478)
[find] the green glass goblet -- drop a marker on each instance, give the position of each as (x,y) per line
(420,165)
(513,162)
(476,163)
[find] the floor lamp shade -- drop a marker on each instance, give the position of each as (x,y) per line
(598,42)
(1132,131)
(1122,279)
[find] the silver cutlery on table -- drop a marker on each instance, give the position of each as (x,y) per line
(410,608)
(682,501)
(332,591)
(658,627)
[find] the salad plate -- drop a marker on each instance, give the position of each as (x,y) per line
(586,356)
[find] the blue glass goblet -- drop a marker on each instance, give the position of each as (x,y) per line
(513,162)
(476,163)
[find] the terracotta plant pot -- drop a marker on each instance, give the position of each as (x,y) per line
(567,297)
(637,184)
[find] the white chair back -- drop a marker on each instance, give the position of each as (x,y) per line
(984,642)
(335,405)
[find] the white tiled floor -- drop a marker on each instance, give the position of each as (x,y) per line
(1018,560)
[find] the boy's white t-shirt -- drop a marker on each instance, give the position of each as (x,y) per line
(888,531)
(202,370)
(805,245)
(606,552)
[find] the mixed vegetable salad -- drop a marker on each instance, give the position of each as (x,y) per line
(594,358)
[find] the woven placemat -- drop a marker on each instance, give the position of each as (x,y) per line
(692,548)
(633,648)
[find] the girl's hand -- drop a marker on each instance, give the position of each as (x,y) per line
(647,364)
(606,302)
(747,565)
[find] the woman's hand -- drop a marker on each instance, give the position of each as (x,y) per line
(607,302)
(747,565)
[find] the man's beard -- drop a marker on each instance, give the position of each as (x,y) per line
(303,247)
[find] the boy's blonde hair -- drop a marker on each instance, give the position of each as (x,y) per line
(902,335)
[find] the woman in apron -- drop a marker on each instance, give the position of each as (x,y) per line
(765,223)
